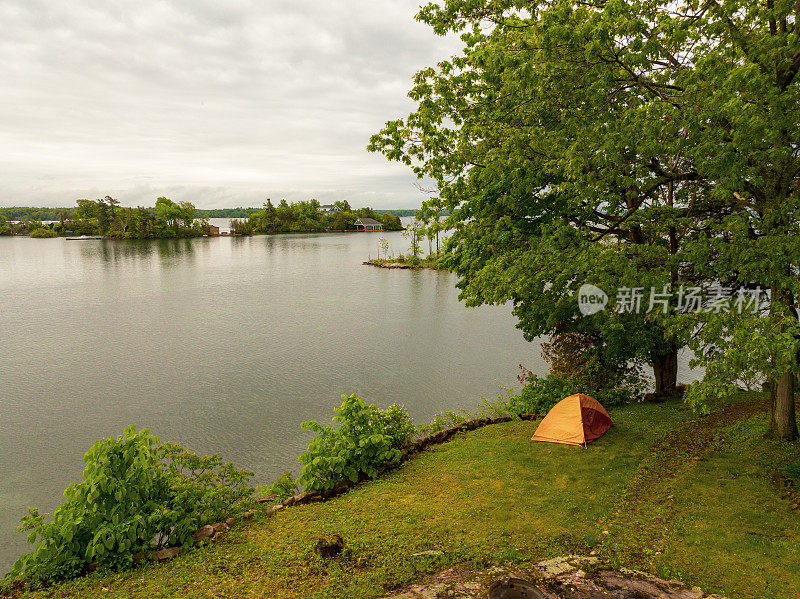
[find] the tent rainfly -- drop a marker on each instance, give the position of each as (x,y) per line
(575,420)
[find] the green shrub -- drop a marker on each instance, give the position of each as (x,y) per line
(443,420)
(366,439)
(204,488)
(43,233)
(487,408)
(137,495)
(397,425)
(284,487)
(541,394)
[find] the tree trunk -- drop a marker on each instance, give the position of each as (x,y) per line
(782,418)
(665,371)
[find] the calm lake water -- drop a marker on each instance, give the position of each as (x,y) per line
(224,345)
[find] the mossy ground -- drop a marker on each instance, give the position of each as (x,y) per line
(704,512)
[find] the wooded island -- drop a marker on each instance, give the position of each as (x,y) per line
(168,219)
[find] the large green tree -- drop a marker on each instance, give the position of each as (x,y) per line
(626,144)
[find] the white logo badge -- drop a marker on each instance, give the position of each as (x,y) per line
(591,299)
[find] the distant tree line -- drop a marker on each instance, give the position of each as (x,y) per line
(22,213)
(35,214)
(307,216)
(227,212)
(411,212)
(34,228)
(105,217)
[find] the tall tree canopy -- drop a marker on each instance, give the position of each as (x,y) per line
(628,145)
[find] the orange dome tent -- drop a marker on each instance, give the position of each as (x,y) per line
(574,420)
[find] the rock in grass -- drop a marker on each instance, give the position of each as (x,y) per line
(329,546)
(206,532)
(219,526)
(165,554)
(514,588)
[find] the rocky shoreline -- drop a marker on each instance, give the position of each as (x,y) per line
(211,532)
(567,577)
(401,265)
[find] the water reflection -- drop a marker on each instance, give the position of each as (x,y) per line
(115,251)
(170,251)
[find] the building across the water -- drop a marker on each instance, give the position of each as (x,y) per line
(368,224)
(328,208)
(213,230)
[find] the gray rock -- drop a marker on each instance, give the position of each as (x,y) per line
(165,554)
(514,588)
(206,532)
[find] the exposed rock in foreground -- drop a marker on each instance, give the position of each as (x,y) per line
(568,577)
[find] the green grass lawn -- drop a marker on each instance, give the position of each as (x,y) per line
(734,532)
(707,514)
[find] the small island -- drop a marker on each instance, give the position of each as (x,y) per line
(415,233)
(407,262)
(168,219)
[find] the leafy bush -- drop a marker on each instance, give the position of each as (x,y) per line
(486,409)
(137,495)
(366,439)
(541,394)
(204,487)
(443,420)
(43,233)
(284,487)
(397,425)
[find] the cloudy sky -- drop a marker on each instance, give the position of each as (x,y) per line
(219,103)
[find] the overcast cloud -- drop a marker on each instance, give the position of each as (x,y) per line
(219,103)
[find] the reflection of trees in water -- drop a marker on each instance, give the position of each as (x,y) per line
(174,248)
(121,250)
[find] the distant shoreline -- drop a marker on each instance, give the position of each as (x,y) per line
(44,213)
(112,238)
